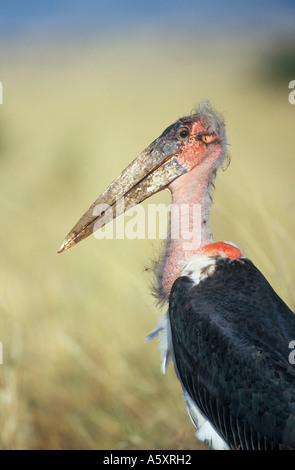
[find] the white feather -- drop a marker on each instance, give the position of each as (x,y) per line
(205,431)
(165,343)
(198,267)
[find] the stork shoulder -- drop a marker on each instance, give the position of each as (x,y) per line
(203,264)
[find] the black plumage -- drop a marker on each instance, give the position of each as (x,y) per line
(231,335)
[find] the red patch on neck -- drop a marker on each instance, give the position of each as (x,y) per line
(218,248)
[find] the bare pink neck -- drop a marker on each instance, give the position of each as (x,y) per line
(189,221)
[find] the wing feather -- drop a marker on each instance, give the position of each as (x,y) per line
(231,336)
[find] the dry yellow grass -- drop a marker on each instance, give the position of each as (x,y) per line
(76,372)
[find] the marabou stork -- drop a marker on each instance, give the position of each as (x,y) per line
(226,330)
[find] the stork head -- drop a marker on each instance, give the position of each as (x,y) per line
(190,143)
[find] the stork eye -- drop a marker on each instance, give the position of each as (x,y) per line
(183,133)
(207,138)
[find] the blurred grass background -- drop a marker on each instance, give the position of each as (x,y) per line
(76,373)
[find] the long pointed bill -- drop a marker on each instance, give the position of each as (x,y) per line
(149,173)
